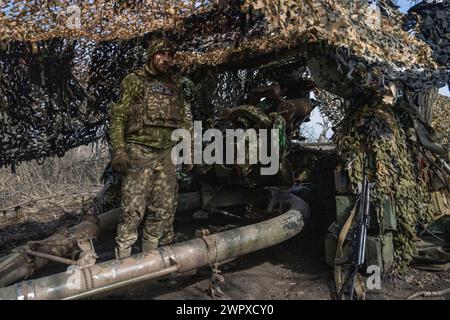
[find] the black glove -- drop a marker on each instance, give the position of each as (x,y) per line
(121,162)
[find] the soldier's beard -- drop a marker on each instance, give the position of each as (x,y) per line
(157,67)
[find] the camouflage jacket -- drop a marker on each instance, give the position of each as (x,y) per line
(149,108)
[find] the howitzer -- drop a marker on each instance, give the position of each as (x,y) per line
(359,236)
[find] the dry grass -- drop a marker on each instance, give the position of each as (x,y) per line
(45,192)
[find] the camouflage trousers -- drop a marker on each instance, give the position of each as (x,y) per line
(149,195)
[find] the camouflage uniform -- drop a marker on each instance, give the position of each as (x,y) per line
(150,107)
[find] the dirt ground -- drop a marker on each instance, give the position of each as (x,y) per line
(294,269)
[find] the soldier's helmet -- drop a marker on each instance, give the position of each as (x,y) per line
(160,44)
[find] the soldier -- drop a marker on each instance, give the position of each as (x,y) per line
(149,108)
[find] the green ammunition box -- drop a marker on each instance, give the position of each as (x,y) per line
(344,204)
(380,251)
(390,220)
(342,183)
(330,249)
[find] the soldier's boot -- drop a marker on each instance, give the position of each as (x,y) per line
(122,253)
(148,246)
(166,242)
(168,235)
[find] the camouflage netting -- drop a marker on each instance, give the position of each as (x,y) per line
(98,20)
(432,21)
(68,77)
(57,81)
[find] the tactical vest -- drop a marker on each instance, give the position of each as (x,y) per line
(158,105)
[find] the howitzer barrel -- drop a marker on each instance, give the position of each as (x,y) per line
(18,264)
(181,257)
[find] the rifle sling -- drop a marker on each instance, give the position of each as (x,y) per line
(338,260)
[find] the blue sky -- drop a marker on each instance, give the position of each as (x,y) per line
(404,5)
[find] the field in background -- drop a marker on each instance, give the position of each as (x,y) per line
(54,188)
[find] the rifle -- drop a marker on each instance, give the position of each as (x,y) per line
(444,165)
(359,236)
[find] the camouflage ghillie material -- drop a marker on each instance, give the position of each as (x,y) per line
(430,21)
(149,195)
(441,111)
(378,129)
(150,107)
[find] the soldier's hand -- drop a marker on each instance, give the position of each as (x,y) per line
(120,162)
